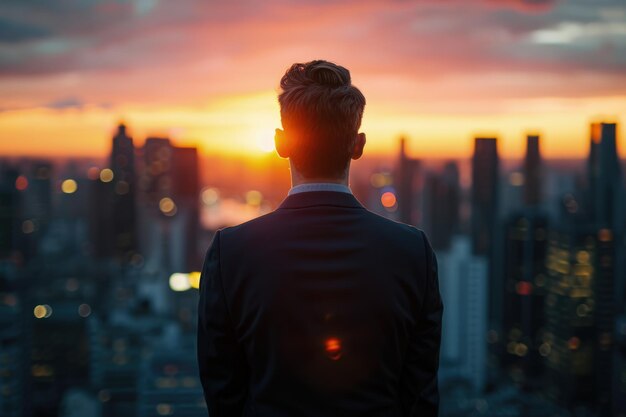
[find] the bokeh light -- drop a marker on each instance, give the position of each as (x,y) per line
(167,206)
(28,227)
(42,311)
(210,196)
(69,186)
(179,282)
(388,200)
(194,279)
(254,198)
(84,310)
(21,183)
(332,345)
(106,175)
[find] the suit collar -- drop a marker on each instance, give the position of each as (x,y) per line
(320,198)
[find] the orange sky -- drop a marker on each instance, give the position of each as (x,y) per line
(206,75)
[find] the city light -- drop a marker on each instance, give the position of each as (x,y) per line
(42,311)
(104,395)
(605,235)
(122,187)
(28,227)
(69,186)
(388,200)
(380,179)
(194,279)
(179,282)
(93,173)
(164,409)
(106,175)
(84,310)
(333,348)
(254,198)
(516,179)
(524,288)
(21,183)
(573,343)
(210,196)
(167,206)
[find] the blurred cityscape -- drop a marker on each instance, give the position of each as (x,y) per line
(99,264)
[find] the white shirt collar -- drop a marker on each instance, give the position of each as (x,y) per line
(319,186)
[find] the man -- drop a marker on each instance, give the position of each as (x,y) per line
(320,308)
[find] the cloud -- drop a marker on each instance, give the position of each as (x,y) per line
(66,103)
(11,31)
(523,5)
(150,50)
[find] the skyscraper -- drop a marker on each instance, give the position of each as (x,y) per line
(10,188)
(441,205)
(483,229)
(406,174)
(604,176)
(523,319)
(124,193)
(186,184)
(532,172)
(463,280)
(484,194)
(578,264)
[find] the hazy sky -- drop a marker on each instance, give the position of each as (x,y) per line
(206,72)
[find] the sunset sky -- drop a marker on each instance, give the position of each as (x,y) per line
(206,72)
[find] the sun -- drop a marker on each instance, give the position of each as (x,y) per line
(264,140)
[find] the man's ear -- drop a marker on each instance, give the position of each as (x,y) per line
(359,144)
(280,141)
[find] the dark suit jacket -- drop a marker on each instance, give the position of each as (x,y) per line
(320,308)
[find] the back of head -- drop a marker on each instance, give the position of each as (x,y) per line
(321,111)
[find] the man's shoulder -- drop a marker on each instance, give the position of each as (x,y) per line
(260,222)
(393,225)
(270,222)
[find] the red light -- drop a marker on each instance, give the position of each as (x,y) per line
(333,348)
(388,199)
(524,288)
(573,343)
(21,183)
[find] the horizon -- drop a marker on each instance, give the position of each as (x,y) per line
(207,75)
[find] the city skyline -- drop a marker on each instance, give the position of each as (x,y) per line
(206,75)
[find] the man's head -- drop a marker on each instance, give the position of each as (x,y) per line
(321,113)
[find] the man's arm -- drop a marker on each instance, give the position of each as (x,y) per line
(223,369)
(419,392)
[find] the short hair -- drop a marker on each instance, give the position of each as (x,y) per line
(322,110)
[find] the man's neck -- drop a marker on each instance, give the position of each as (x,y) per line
(297,179)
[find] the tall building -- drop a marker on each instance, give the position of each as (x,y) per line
(169,385)
(484,194)
(101,218)
(619,377)
(186,184)
(11,184)
(604,176)
(12,358)
(523,319)
(463,283)
(605,209)
(115,365)
(122,164)
(577,342)
(156,178)
(36,211)
(484,231)
(441,203)
(59,353)
(406,182)
(533,176)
